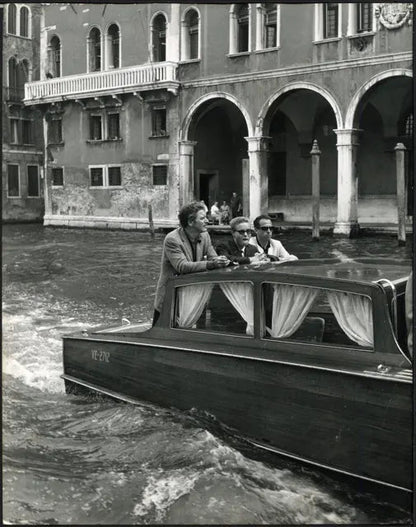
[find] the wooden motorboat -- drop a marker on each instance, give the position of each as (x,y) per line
(307,359)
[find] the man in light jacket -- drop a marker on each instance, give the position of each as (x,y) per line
(265,243)
(187,249)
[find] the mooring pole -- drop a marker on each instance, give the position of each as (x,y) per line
(151,226)
(401,193)
(315,153)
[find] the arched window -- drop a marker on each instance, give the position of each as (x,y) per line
(11,19)
(24,21)
(55,57)
(190,33)
(242,28)
(113,46)
(159,38)
(94,49)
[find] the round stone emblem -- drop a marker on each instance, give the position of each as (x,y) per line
(394,15)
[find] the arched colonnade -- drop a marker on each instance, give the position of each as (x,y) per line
(271,150)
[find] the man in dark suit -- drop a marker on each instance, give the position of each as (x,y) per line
(187,249)
(238,250)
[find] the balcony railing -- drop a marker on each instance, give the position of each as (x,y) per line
(121,80)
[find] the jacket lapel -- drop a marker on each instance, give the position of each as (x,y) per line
(186,244)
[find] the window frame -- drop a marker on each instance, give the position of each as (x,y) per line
(53,53)
(105,184)
(14,129)
(325,345)
(153,114)
(157,42)
(173,311)
(187,30)
(29,130)
(319,23)
(28,28)
(16,24)
(91,50)
(90,117)
(110,42)
(19,195)
(63,176)
(154,165)
(30,196)
(52,140)
(113,165)
(107,118)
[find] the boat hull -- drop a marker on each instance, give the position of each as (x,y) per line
(352,423)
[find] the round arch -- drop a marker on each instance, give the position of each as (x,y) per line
(349,119)
(190,8)
(298,86)
(214,95)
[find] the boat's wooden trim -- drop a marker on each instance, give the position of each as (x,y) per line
(132,400)
(382,375)
(321,465)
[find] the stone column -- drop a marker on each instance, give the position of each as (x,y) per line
(186,172)
(259,26)
(347,212)
(173,34)
(258,185)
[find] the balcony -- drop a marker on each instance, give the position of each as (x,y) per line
(153,76)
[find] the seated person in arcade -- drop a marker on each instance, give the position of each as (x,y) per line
(238,249)
(266,244)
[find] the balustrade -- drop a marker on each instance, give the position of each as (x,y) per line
(76,85)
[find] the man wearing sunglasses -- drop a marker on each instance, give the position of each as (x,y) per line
(264,242)
(238,250)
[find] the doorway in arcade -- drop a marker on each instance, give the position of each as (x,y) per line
(220,156)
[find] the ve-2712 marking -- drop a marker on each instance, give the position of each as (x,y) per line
(100,356)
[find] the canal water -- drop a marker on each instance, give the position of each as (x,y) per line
(89,460)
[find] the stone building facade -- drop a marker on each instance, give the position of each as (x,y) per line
(157,104)
(22,188)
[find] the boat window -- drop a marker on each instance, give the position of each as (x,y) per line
(225,307)
(310,314)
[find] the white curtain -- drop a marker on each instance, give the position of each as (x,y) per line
(191,302)
(355,316)
(291,304)
(241,297)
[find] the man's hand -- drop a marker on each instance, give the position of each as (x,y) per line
(217,262)
(259,258)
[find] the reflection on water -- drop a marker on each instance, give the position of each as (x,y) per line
(88,460)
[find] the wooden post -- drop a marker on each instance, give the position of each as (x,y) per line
(401,193)
(151,226)
(315,153)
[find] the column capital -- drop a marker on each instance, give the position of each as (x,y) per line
(186,148)
(258,143)
(347,136)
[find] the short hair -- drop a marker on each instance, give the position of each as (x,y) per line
(256,222)
(189,212)
(236,221)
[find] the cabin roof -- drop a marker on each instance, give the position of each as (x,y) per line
(363,270)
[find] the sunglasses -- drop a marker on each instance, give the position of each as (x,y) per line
(243,231)
(266,228)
